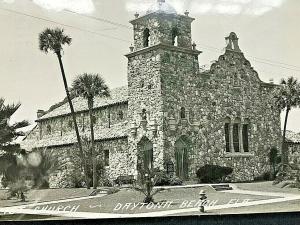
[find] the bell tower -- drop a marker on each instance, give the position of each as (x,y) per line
(162,62)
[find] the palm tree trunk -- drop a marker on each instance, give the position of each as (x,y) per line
(91,105)
(74,119)
(284,156)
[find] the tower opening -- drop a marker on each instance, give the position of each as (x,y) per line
(175,37)
(146,37)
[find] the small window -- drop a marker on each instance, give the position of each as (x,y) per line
(246,137)
(70,124)
(109,119)
(236,140)
(146,37)
(182,113)
(120,115)
(94,119)
(48,129)
(83,124)
(175,36)
(106,157)
(227,137)
(144,114)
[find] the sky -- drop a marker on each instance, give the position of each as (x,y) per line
(268,32)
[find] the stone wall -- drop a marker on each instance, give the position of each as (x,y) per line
(231,89)
(294,153)
(119,162)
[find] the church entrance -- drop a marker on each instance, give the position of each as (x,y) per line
(145,159)
(182,158)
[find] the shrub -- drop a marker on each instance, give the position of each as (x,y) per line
(267,176)
(128,179)
(18,189)
(164,179)
(174,181)
(213,173)
(105,182)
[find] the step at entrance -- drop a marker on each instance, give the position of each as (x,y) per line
(221,187)
(98,191)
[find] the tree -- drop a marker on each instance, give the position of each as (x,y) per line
(146,186)
(287,96)
(41,164)
(10,164)
(90,86)
(53,40)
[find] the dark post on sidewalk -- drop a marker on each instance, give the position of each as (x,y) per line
(202,197)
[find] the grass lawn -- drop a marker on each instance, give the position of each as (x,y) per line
(44,195)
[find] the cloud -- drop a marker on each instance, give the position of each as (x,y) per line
(142,6)
(8,1)
(213,7)
(234,7)
(79,6)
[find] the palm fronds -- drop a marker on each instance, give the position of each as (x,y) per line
(53,40)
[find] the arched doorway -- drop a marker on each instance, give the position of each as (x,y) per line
(182,149)
(145,159)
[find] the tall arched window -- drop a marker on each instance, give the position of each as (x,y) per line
(236,135)
(245,134)
(144,114)
(227,134)
(182,113)
(175,36)
(48,129)
(146,36)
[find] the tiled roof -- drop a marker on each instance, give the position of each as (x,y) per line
(118,95)
(115,132)
(292,136)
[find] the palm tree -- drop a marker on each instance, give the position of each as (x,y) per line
(54,40)
(90,86)
(287,96)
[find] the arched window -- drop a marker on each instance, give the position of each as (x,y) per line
(70,124)
(120,115)
(83,124)
(245,134)
(146,36)
(227,134)
(182,113)
(236,135)
(175,36)
(48,129)
(144,114)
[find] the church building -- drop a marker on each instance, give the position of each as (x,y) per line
(173,115)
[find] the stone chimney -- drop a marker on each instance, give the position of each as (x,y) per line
(40,113)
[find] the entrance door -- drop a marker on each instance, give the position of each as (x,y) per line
(145,155)
(182,159)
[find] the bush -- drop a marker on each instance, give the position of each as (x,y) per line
(267,176)
(213,173)
(164,179)
(105,182)
(174,181)
(129,179)
(18,189)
